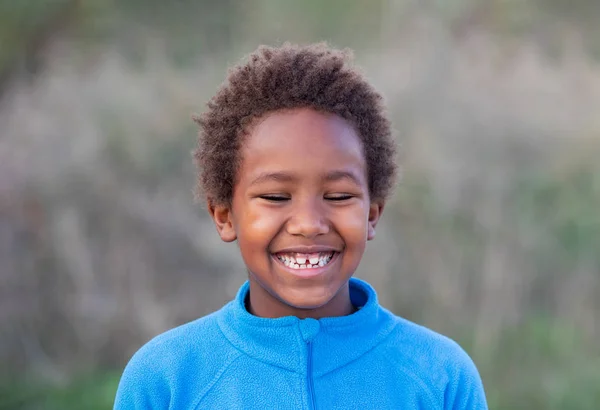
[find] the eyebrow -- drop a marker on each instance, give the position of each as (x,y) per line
(287,177)
(338,175)
(273,176)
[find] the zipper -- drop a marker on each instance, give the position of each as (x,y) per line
(309,379)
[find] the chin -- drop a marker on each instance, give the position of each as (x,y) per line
(304,305)
(306,302)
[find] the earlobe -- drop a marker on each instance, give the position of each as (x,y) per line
(222,218)
(375,211)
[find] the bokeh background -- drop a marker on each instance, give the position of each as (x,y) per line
(493,236)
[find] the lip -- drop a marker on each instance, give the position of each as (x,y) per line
(307,249)
(308,272)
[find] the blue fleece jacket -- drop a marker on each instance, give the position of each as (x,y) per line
(371,359)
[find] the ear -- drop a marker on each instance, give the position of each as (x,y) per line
(375,211)
(222,217)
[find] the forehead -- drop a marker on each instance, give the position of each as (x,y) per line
(301,140)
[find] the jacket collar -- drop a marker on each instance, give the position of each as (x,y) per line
(284,342)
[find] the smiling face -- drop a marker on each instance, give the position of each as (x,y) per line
(301,213)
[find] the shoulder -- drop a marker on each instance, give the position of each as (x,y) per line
(423,347)
(439,363)
(181,344)
(180,362)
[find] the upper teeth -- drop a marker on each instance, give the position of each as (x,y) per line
(299,261)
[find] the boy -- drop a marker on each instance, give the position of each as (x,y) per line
(296,161)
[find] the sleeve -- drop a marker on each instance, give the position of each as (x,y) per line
(465,390)
(142,386)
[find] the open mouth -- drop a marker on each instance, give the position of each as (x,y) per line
(305,260)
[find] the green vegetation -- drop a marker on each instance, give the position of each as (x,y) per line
(555,371)
(95,392)
(492,239)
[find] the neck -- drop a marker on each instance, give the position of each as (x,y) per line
(262,304)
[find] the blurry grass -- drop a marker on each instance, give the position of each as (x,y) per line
(93,392)
(539,364)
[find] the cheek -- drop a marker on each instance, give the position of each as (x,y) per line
(353,225)
(256,229)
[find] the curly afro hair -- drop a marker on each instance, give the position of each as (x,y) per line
(287,77)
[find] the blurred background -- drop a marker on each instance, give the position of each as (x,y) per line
(492,238)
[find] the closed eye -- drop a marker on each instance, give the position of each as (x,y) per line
(340,197)
(274,198)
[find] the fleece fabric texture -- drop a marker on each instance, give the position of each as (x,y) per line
(370,359)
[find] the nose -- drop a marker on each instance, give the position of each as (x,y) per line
(308,220)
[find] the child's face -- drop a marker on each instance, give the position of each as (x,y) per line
(301,212)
